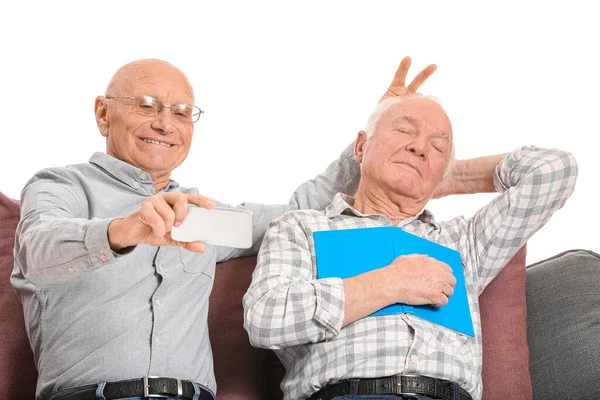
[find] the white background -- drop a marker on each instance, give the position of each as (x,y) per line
(287,85)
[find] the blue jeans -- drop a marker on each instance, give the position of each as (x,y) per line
(101,385)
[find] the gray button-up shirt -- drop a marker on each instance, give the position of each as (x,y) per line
(93,315)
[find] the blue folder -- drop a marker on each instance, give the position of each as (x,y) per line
(349,252)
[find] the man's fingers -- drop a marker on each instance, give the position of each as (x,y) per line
(201,201)
(421,78)
(165,211)
(401,72)
(148,216)
(179,202)
(173,198)
(180,207)
(439,300)
(447,289)
(196,247)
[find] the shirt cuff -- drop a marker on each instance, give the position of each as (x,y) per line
(97,245)
(329,311)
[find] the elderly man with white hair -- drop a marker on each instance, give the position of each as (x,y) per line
(322,329)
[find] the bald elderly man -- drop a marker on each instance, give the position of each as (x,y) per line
(108,296)
(321,328)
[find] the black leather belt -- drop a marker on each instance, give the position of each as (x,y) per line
(399,385)
(148,386)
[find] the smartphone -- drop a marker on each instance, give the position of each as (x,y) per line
(231,227)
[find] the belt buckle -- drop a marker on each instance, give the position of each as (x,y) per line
(147,388)
(399,385)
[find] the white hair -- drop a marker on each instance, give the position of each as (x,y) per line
(385,105)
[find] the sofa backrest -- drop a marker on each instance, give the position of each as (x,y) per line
(247,373)
(17,372)
(563,307)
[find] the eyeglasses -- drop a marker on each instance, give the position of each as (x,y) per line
(147,105)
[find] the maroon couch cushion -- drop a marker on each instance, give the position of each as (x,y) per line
(239,368)
(17,371)
(504,330)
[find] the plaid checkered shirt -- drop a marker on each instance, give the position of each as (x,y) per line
(289,310)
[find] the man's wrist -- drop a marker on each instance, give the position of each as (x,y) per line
(116,239)
(475,175)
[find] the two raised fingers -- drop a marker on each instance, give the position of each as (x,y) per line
(398,86)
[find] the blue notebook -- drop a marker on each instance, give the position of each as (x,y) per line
(349,252)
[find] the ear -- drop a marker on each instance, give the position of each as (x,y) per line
(101,111)
(359,145)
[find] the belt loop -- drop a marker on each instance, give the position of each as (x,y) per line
(198,390)
(455,391)
(100,391)
(354,386)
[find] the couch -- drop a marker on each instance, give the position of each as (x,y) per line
(529,346)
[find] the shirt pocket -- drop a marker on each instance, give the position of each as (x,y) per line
(199,263)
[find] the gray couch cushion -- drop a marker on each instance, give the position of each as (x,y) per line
(563,326)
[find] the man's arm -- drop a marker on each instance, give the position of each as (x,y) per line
(342,175)
(471,176)
(286,305)
(534,183)
(55,241)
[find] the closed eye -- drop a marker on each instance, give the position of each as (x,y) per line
(438,148)
(439,145)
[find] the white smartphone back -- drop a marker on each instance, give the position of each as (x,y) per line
(231,227)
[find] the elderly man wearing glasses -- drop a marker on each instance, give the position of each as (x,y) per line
(109,297)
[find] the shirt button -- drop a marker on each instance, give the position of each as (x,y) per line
(104,258)
(70,269)
(135,184)
(160,268)
(143,176)
(414,359)
(156,340)
(157,302)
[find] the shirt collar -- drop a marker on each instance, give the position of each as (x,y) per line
(343,204)
(130,175)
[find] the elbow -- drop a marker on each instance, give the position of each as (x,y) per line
(259,335)
(555,173)
(564,165)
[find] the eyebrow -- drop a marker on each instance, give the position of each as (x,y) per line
(406,118)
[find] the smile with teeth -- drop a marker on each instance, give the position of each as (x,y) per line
(156,142)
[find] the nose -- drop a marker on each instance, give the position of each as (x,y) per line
(417,147)
(163,123)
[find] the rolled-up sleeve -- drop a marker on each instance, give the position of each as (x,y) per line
(285,304)
(534,183)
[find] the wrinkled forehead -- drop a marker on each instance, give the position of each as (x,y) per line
(422,113)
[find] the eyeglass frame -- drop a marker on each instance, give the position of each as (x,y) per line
(163,106)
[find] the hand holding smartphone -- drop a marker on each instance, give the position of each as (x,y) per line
(230,227)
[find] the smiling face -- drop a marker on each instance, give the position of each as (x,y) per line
(155,144)
(409,149)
